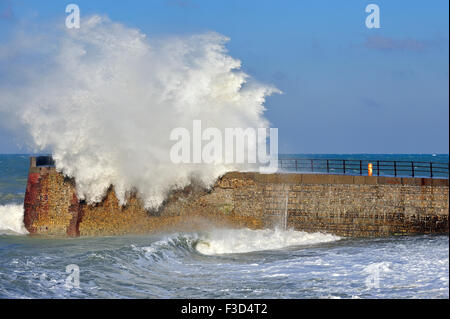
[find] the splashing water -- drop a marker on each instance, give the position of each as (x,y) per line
(286,211)
(104,98)
(11,219)
(228,241)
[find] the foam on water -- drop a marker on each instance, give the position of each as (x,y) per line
(170,266)
(230,241)
(11,219)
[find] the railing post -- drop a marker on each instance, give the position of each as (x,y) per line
(395,168)
(312,166)
(378,168)
(296,165)
(360,167)
(343,166)
(431,169)
(412,169)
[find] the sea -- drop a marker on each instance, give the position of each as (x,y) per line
(218,263)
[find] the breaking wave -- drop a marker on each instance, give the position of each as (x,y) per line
(104,98)
(231,241)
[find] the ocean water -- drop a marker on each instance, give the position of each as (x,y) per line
(219,263)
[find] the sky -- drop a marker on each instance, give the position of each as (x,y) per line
(346,88)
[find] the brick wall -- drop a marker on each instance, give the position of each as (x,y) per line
(343,205)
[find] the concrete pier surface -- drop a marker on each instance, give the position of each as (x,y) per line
(353,206)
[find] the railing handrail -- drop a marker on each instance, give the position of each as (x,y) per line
(379,167)
(357,160)
(348,166)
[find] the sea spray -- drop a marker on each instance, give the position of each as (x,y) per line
(11,219)
(286,211)
(104,98)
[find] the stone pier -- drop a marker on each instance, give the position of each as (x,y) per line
(355,206)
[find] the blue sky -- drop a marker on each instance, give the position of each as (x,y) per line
(347,88)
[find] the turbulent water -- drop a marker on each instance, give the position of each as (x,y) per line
(180,266)
(220,263)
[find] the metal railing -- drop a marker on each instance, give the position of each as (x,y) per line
(344,167)
(361,167)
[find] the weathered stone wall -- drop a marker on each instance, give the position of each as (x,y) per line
(51,205)
(343,205)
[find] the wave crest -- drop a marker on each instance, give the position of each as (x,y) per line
(230,241)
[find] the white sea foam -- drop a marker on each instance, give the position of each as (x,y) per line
(229,241)
(104,98)
(11,219)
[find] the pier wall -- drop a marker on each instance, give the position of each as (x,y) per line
(355,206)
